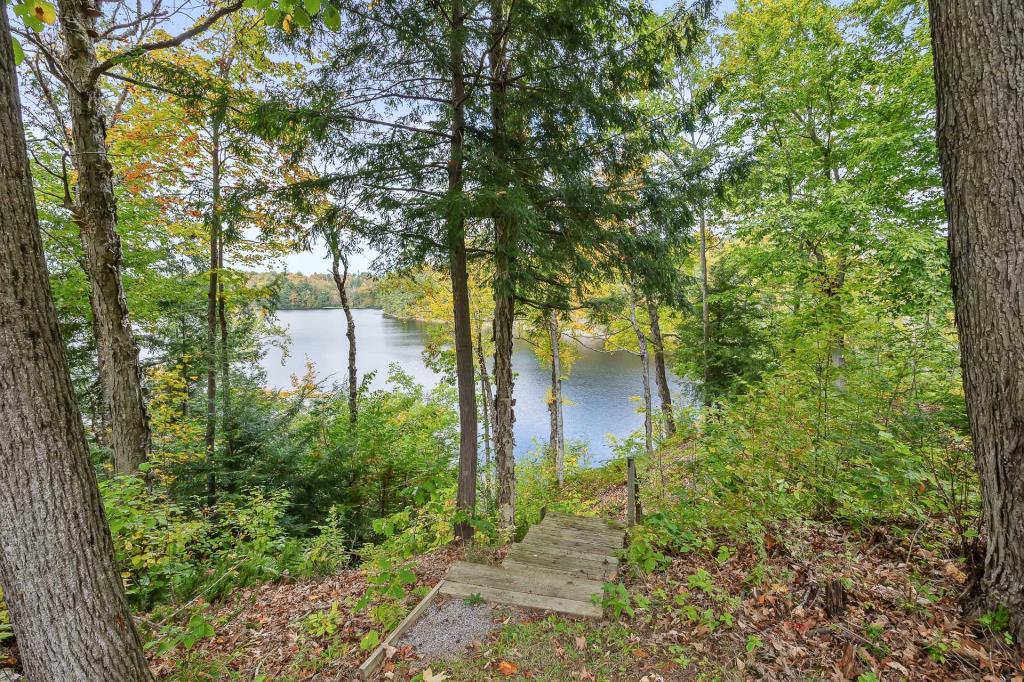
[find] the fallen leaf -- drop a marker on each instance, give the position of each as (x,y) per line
(581,643)
(847,664)
(507,669)
(429,676)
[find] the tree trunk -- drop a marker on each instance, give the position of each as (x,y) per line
(557,438)
(505,239)
(660,371)
(95,214)
(225,356)
(979,76)
(645,373)
(211,316)
(705,318)
(340,279)
(57,565)
(488,395)
(456,236)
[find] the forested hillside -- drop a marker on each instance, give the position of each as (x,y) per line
(799,223)
(296,291)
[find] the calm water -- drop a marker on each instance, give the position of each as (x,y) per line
(603,389)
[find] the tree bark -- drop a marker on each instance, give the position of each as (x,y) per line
(456,236)
(95,214)
(557,437)
(211,315)
(57,565)
(505,242)
(340,279)
(645,373)
(660,371)
(705,318)
(488,395)
(979,77)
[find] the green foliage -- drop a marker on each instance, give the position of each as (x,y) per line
(168,555)
(616,598)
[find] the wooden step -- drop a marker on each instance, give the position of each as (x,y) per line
(584,521)
(609,541)
(558,524)
(549,583)
(570,607)
(570,542)
(594,570)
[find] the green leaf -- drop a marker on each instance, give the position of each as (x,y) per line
(19,54)
(272,17)
(369,641)
(301,18)
(332,18)
(312,6)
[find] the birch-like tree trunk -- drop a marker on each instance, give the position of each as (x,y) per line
(340,280)
(557,437)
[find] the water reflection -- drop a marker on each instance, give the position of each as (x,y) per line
(601,389)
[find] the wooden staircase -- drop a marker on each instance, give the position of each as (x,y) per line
(559,566)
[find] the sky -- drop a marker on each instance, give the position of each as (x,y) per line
(316,260)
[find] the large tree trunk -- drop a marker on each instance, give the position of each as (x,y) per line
(660,371)
(340,279)
(557,437)
(95,213)
(456,236)
(505,239)
(57,567)
(979,76)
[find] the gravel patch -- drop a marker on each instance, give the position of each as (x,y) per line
(447,629)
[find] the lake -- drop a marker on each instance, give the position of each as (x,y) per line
(603,389)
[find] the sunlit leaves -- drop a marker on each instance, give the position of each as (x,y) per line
(289,14)
(35,14)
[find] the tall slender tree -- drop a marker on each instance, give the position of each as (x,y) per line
(57,566)
(979,77)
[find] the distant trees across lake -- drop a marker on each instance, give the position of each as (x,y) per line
(296,291)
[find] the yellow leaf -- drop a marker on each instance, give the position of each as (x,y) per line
(286,23)
(44,12)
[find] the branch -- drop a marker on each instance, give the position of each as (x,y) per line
(131,53)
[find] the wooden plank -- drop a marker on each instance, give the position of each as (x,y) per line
(564,555)
(570,541)
(572,552)
(581,528)
(595,570)
(592,521)
(548,583)
(601,573)
(369,667)
(609,541)
(523,599)
(616,537)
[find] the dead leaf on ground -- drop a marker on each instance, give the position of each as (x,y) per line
(508,669)
(429,676)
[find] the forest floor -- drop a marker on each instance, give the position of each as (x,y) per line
(733,614)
